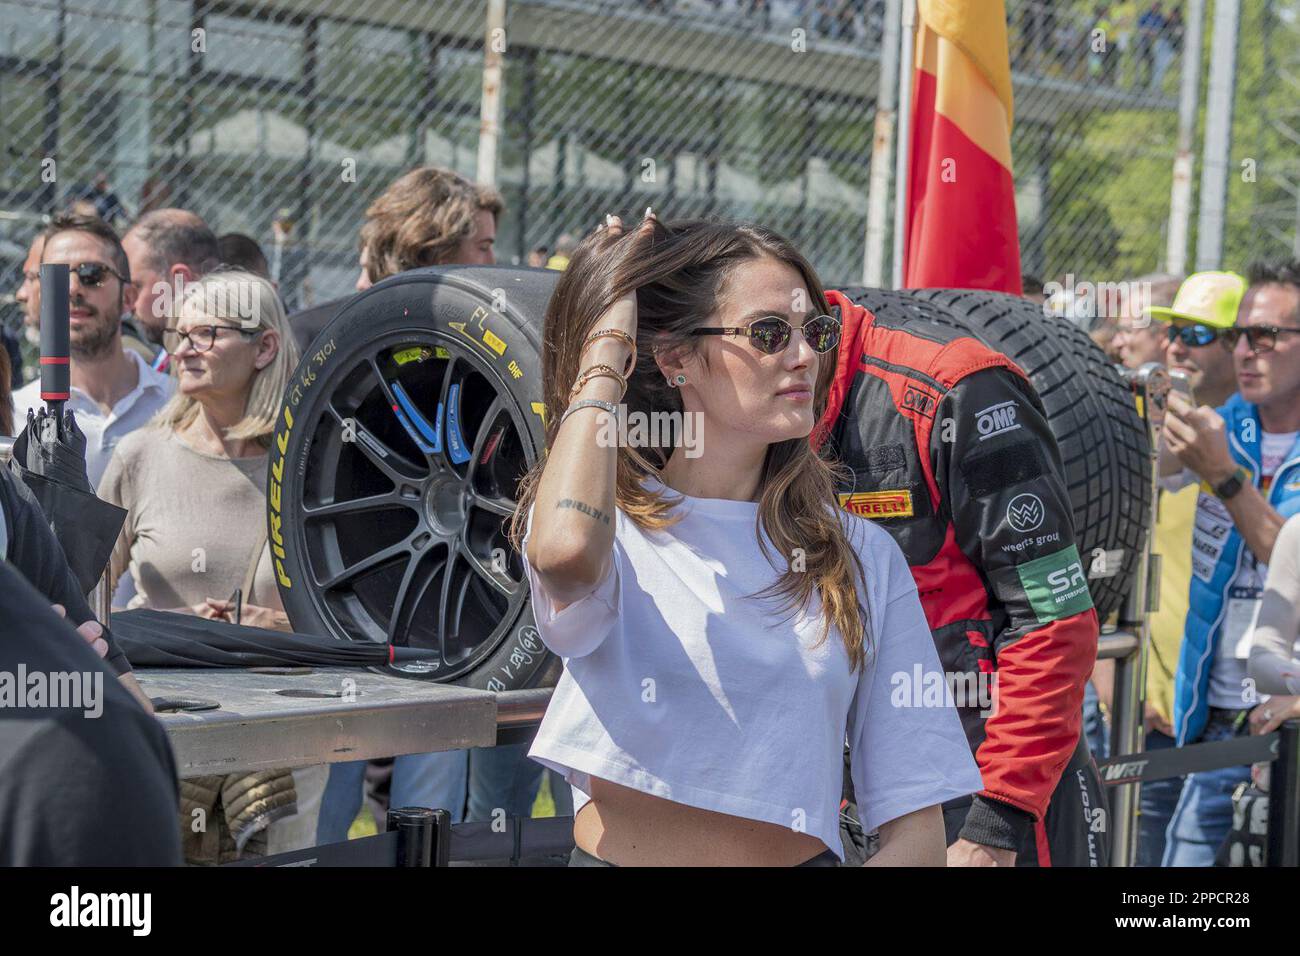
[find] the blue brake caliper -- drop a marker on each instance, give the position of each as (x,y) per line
(428,438)
(455,442)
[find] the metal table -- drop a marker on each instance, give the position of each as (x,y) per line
(298,717)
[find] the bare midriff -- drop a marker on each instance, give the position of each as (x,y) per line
(631,828)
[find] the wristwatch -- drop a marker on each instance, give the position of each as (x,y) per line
(1232,485)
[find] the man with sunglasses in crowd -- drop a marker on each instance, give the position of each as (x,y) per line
(1246,458)
(1188,324)
(951,453)
(114,391)
(1137,340)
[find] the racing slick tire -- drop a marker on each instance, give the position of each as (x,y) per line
(398,447)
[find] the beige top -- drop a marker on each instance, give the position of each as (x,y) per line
(193,522)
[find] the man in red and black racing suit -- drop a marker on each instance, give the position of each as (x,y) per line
(951,452)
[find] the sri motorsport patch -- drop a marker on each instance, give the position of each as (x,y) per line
(878,504)
(1055,585)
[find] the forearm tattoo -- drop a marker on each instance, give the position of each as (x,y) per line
(585,509)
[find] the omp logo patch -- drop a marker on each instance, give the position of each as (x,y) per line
(1055,585)
(878,504)
(996,420)
(1025,513)
(919,401)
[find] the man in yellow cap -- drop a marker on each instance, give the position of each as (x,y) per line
(1206,303)
(1245,455)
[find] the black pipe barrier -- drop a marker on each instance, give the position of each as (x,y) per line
(418,837)
(1180,761)
(1284,800)
(1281,749)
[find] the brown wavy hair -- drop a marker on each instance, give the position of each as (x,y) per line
(679,271)
(421,218)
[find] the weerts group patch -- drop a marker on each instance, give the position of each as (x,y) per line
(879,504)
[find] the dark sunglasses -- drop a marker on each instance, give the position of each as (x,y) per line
(771,333)
(201,337)
(1261,338)
(1193,336)
(92,274)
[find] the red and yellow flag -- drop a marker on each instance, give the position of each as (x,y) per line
(961,201)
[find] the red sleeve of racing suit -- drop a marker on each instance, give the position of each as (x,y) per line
(1004,482)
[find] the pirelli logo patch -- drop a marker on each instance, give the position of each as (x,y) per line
(878,504)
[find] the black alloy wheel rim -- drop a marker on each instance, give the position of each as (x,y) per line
(406,497)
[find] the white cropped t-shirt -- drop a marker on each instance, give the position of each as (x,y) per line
(677,685)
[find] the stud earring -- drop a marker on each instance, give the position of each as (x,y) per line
(677,381)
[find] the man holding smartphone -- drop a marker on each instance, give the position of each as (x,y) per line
(1246,457)
(1188,327)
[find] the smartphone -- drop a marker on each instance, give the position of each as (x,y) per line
(1181,383)
(237,599)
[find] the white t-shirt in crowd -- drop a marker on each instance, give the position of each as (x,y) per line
(677,685)
(1228,688)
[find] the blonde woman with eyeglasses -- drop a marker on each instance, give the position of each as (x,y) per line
(193,483)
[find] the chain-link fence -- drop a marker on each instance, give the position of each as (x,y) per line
(301,111)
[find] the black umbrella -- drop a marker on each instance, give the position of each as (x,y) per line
(166,639)
(49,457)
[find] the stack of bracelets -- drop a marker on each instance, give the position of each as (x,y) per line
(596,371)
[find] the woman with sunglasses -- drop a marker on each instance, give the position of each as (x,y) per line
(723,624)
(194,487)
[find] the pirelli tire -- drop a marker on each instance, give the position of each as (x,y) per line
(400,441)
(1090,409)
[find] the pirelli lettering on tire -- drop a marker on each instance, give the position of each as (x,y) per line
(1055,585)
(274,500)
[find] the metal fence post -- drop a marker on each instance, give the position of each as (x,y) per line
(415,828)
(1180,197)
(490,108)
(1130,670)
(1284,799)
(882,148)
(903,155)
(1217,141)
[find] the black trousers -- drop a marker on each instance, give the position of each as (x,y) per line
(580,857)
(1073,832)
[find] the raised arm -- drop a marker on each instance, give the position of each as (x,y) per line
(571,536)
